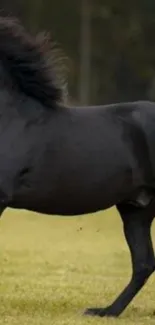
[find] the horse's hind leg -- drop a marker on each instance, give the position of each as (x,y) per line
(137,227)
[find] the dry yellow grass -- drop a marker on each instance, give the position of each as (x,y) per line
(52,268)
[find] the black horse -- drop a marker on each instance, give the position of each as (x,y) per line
(63,160)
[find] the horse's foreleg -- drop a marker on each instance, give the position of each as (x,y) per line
(137,224)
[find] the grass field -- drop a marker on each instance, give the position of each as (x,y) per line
(52,268)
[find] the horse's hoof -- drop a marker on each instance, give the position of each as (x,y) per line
(100,312)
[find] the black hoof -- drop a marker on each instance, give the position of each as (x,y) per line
(100,312)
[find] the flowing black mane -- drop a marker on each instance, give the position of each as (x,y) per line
(30,62)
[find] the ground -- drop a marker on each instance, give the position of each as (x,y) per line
(52,268)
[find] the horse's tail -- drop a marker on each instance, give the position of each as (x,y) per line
(35,64)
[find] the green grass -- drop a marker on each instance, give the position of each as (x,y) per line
(52,268)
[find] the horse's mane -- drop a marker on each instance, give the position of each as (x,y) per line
(32,62)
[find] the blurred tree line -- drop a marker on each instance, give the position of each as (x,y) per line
(110,44)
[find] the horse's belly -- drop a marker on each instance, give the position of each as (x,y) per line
(80,196)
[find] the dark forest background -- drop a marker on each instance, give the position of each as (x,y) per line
(110,44)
